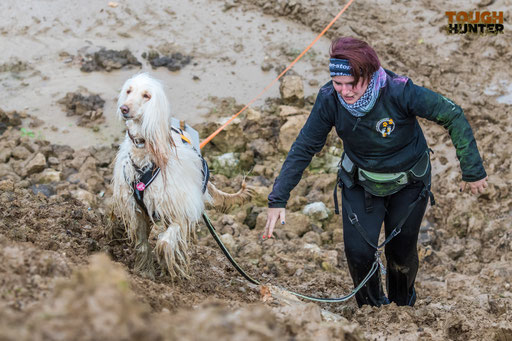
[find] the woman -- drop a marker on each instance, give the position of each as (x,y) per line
(385,168)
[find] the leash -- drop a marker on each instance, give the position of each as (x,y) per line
(375,266)
(216,132)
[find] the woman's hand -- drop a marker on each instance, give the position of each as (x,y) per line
(273,215)
(475,187)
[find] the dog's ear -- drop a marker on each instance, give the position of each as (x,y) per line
(156,123)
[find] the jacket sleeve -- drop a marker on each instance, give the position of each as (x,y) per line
(428,104)
(310,141)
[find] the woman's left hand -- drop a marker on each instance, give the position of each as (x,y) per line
(475,187)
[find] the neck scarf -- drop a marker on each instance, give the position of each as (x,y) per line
(364,104)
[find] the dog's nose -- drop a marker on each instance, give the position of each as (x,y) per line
(125,110)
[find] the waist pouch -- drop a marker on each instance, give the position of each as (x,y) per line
(346,172)
(383,184)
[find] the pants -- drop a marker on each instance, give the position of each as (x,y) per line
(401,252)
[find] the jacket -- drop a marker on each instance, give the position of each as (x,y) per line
(387,139)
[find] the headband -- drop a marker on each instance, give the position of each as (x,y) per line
(339,67)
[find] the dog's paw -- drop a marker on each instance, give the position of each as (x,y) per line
(171,252)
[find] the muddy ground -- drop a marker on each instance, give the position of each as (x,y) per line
(64,277)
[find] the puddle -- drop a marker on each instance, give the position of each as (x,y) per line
(507,98)
(228,49)
(493,90)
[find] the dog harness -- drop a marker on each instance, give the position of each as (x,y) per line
(149,173)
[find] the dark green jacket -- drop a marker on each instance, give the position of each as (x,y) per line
(387,139)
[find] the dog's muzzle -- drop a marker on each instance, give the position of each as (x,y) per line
(125,111)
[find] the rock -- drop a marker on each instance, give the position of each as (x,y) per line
(327,266)
(287,111)
(313,249)
(292,90)
(53,161)
(95,182)
(296,223)
(104,156)
(261,148)
(84,196)
(266,66)
(88,107)
(20,153)
(7,185)
(5,155)
(109,60)
(231,139)
(312,237)
(251,250)
(260,197)
(48,176)
(289,131)
(79,158)
(8,119)
(327,163)
(228,241)
(89,164)
(46,190)
(252,115)
(36,165)
(22,184)
(28,143)
(326,237)
(5,169)
(330,258)
(226,164)
(247,160)
(250,219)
(63,152)
(317,211)
(454,249)
(337,235)
(174,62)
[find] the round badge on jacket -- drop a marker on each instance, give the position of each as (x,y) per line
(385,126)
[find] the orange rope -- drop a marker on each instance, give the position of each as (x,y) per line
(209,138)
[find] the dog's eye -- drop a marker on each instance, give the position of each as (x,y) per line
(146,96)
(128,91)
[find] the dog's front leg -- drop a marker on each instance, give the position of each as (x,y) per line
(143,255)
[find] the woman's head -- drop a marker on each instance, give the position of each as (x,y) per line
(362,58)
(362,62)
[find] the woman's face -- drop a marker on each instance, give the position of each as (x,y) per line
(350,92)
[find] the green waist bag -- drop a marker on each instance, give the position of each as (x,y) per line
(384,184)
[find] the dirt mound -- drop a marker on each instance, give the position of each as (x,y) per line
(108,60)
(11,119)
(174,62)
(89,107)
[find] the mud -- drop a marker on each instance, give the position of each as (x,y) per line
(64,276)
(174,62)
(108,60)
(89,108)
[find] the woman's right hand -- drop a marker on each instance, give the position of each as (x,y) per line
(273,215)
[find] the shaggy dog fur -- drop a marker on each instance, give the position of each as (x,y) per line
(175,197)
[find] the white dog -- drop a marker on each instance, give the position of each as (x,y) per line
(173,189)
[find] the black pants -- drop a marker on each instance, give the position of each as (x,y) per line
(401,252)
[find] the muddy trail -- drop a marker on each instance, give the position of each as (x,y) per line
(66,275)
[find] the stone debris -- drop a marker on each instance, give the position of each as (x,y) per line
(108,60)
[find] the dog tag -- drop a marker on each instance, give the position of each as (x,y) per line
(140,186)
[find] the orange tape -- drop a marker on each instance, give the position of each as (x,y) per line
(216,132)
